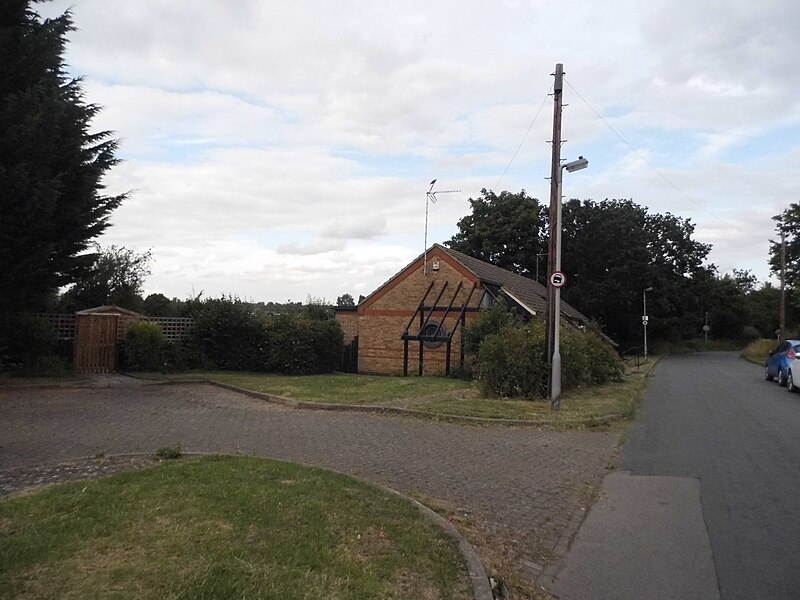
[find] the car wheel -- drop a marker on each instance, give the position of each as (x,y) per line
(767,376)
(781,378)
(790,383)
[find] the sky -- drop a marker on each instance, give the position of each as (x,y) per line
(281,150)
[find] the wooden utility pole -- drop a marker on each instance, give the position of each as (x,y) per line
(554,254)
(783,286)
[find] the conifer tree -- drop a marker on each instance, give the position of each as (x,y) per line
(51,165)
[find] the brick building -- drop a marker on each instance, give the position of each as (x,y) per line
(413,323)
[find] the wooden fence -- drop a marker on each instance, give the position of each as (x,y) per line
(96,337)
(174,328)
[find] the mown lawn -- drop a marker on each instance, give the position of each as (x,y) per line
(443,396)
(219,528)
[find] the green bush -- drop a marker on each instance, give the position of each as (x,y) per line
(512,361)
(494,320)
(604,363)
(227,335)
(143,349)
(299,345)
(25,341)
(750,333)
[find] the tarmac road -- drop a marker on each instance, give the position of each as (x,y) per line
(709,424)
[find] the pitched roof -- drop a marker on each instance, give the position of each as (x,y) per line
(527,291)
(111,309)
(530,294)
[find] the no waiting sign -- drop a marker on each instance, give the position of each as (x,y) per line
(558,279)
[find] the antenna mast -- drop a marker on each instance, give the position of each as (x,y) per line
(430,198)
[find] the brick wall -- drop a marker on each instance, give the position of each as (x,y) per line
(383,319)
(348,319)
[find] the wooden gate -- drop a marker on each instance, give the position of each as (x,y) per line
(96,343)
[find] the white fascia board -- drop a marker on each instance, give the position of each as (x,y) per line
(508,293)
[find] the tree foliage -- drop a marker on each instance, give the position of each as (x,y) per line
(788,223)
(345,300)
(615,249)
(115,277)
(51,165)
(506,230)
(612,251)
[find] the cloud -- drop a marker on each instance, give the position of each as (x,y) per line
(279,150)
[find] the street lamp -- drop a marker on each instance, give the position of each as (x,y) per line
(556,282)
(644,318)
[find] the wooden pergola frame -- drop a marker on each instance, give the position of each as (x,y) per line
(425,312)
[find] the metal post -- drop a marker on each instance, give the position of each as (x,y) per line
(554,253)
(782,318)
(644,321)
(644,318)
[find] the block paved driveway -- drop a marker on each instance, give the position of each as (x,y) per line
(519,487)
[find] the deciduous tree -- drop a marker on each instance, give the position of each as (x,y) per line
(787,222)
(505,230)
(115,277)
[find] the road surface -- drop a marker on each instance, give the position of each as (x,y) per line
(713,419)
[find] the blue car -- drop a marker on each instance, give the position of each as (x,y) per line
(780,358)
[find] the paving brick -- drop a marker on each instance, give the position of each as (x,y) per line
(526,486)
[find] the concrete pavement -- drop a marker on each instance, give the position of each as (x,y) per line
(644,539)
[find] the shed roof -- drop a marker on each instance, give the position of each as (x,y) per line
(112,309)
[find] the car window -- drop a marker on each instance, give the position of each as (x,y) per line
(797,348)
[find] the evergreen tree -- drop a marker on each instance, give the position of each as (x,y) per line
(51,165)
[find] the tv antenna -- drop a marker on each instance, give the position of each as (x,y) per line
(430,198)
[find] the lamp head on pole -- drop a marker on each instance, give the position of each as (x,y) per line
(576,165)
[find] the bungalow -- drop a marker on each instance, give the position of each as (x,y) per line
(415,320)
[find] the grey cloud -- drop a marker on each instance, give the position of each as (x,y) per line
(360,228)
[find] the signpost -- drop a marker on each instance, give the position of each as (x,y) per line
(558,279)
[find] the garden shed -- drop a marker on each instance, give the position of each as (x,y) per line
(414,322)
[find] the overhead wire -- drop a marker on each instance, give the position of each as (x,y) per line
(648,163)
(524,137)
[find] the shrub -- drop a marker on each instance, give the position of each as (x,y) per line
(604,363)
(227,335)
(750,333)
(298,345)
(24,341)
(144,345)
(494,320)
(512,361)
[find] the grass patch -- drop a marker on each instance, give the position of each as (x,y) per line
(340,388)
(223,527)
(758,351)
(444,396)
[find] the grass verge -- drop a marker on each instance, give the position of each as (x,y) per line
(223,527)
(758,351)
(443,396)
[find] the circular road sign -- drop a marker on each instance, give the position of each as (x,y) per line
(558,279)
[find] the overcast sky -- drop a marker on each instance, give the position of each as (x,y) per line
(280,149)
